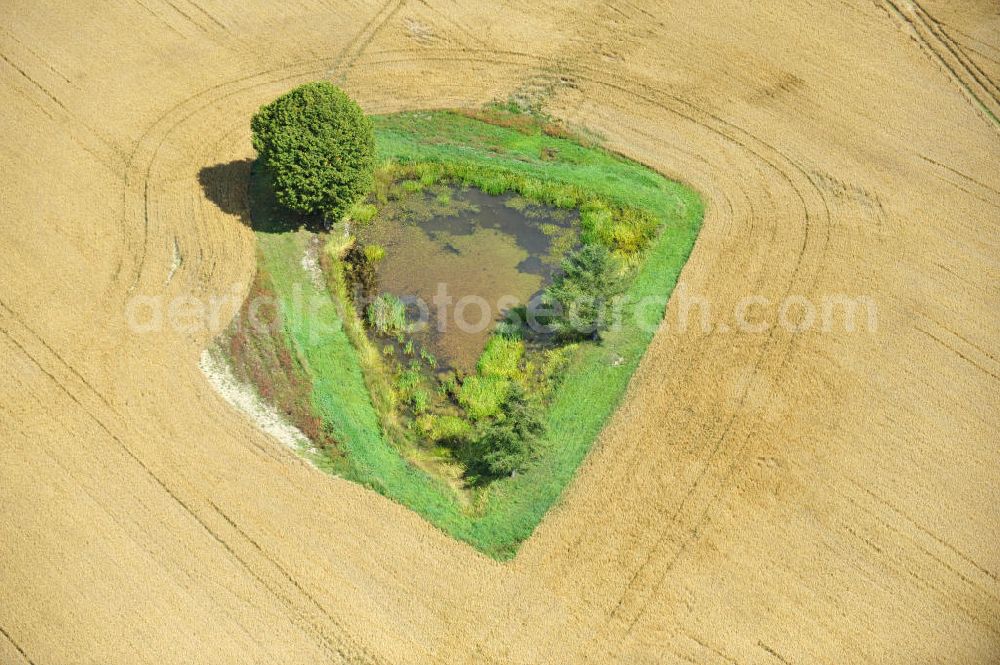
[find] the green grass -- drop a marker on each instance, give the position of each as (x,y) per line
(542,167)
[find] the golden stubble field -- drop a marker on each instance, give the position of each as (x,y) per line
(819,497)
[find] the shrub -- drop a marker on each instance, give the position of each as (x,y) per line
(319,147)
(582,292)
(386,314)
(509,442)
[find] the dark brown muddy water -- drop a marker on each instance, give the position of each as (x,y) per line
(461,258)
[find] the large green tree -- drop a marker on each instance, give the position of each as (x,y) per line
(319,147)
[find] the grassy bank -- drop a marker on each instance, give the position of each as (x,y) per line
(539,163)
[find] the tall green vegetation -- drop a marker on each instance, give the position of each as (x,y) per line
(374,253)
(362,213)
(319,148)
(582,295)
(501,357)
(509,442)
(386,314)
(625,230)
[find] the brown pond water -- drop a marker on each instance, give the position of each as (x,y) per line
(485,253)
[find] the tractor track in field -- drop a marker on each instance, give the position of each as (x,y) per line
(984,93)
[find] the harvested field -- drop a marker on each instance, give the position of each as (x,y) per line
(819,496)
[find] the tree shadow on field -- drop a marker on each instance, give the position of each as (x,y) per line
(243,188)
(225,185)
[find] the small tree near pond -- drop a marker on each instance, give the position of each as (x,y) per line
(582,294)
(319,148)
(510,441)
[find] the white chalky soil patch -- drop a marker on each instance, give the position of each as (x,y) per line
(243,397)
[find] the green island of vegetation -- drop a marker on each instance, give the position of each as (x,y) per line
(481,448)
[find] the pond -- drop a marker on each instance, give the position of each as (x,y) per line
(461,258)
